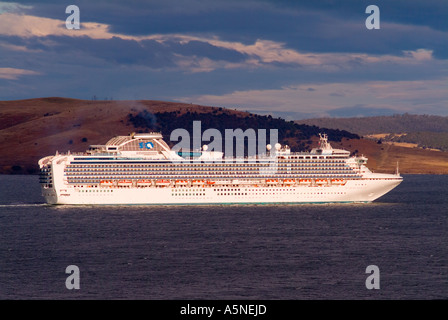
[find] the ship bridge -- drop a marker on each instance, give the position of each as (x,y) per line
(326,149)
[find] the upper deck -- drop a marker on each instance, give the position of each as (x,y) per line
(151,146)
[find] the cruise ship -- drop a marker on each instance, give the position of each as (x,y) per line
(141,169)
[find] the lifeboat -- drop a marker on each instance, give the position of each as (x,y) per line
(181,182)
(304,181)
(106,183)
(271,181)
(321,181)
(211,182)
(125,183)
(144,183)
(198,182)
(338,181)
(162,183)
(288,181)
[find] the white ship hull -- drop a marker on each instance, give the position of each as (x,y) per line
(365,190)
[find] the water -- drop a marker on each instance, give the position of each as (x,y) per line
(290,252)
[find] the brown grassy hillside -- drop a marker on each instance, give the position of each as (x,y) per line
(384,157)
(34,128)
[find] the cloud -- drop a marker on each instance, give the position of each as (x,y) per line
(401,96)
(262,53)
(300,25)
(335,94)
(12,7)
(420,54)
(259,55)
(14,74)
(14,47)
(197,53)
(27,26)
(204,52)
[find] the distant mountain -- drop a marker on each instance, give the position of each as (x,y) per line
(360,111)
(423,131)
(345,112)
(397,123)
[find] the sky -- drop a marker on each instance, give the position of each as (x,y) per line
(289,58)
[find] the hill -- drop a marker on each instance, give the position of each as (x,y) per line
(415,131)
(384,157)
(34,128)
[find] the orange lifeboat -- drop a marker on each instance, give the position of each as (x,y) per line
(162,183)
(181,182)
(338,181)
(144,183)
(106,183)
(125,183)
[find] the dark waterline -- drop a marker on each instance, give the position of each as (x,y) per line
(226,252)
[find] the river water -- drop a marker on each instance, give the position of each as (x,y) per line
(291,252)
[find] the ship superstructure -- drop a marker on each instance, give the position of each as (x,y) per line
(142,169)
